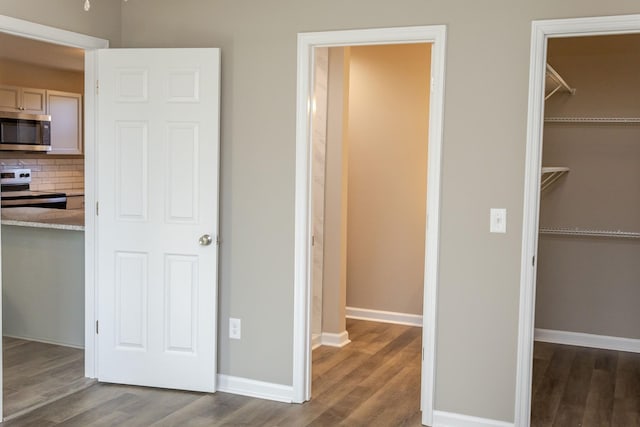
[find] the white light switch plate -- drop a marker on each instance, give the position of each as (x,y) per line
(498,220)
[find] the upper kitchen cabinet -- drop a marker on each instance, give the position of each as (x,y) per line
(65,109)
(21,99)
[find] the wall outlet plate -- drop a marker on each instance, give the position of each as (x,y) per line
(235,328)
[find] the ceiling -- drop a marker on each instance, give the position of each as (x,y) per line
(40,53)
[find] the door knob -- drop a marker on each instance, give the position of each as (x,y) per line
(205,240)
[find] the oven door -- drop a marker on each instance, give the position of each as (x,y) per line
(53,200)
(25,132)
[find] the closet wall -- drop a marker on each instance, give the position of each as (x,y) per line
(592,284)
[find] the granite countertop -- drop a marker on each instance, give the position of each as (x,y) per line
(44,218)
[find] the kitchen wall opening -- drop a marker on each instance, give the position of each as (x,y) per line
(587,351)
(369,183)
(42,224)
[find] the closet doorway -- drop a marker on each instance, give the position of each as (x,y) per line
(581,226)
(434,37)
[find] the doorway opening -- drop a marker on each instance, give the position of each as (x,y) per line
(48,307)
(563,237)
(303,325)
(369,177)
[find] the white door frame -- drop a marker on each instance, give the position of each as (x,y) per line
(45,33)
(541,31)
(436,35)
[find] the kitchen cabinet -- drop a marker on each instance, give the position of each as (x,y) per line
(22,99)
(65,109)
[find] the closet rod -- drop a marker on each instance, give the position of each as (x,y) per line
(592,119)
(588,232)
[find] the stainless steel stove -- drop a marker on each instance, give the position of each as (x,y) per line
(15,193)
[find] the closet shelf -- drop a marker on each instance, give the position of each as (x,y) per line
(620,120)
(550,175)
(589,232)
(552,78)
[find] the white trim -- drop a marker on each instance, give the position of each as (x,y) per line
(253,388)
(384,316)
(540,32)
(588,340)
(450,419)
(31,30)
(335,340)
(435,34)
(45,33)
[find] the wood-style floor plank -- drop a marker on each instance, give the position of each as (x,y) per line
(375,380)
(36,373)
(575,386)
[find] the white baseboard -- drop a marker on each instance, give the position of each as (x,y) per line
(384,316)
(335,340)
(449,419)
(588,340)
(45,341)
(253,388)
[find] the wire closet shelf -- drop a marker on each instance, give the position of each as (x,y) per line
(586,232)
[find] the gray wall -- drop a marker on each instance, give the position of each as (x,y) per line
(43,284)
(591,284)
(483,165)
(103,20)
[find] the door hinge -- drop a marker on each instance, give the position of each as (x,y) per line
(533,261)
(97,329)
(313,240)
(97,209)
(218,240)
(97,87)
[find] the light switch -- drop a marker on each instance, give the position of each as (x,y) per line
(498,220)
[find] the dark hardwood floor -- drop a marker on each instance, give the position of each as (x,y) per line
(374,381)
(36,373)
(576,386)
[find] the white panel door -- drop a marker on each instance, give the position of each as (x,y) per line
(158,161)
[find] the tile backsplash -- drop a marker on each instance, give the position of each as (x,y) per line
(51,174)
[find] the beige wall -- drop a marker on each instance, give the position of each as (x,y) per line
(27,75)
(591,284)
(388,135)
(485,114)
(335,255)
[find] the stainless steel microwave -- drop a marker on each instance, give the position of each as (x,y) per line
(25,132)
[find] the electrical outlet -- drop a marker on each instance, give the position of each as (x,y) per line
(235,328)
